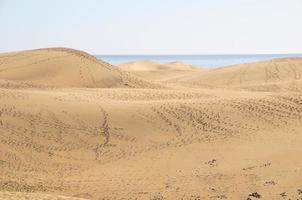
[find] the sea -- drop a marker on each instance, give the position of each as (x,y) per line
(208,61)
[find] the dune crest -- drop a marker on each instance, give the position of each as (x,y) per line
(154,71)
(180,65)
(147,65)
(273,75)
(63,67)
(257,73)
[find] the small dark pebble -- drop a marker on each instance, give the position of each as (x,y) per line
(255,194)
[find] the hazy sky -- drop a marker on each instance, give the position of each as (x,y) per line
(153,26)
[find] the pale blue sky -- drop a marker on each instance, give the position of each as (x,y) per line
(153,26)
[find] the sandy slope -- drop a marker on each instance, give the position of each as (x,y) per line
(33,196)
(266,76)
(147,65)
(146,143)
(273,75)
(154,71)
(62,67)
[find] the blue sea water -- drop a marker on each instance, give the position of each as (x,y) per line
(209,61)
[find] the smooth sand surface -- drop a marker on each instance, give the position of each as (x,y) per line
(73,127)
(147,65)
(150,70)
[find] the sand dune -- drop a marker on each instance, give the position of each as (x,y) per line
(154,71)
(147,65)
(112,141)
(252,74)
(273,75)
(62,67)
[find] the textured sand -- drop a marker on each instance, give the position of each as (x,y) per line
(73,127)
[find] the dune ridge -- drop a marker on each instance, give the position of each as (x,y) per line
(282,74)
(63,67)
(147,65)
(264,72)
(194,134)
(154,71)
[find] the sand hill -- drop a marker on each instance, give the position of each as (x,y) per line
(273,75)
(67,141)
(62,67)
(154,71)
(146,65)
(265,74)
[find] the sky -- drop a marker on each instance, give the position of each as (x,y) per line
(153,26)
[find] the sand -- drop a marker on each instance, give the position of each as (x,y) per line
(150,70)
(229,133)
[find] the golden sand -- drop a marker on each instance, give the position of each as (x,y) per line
(74,127)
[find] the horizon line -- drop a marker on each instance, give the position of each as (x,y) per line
(260,54)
